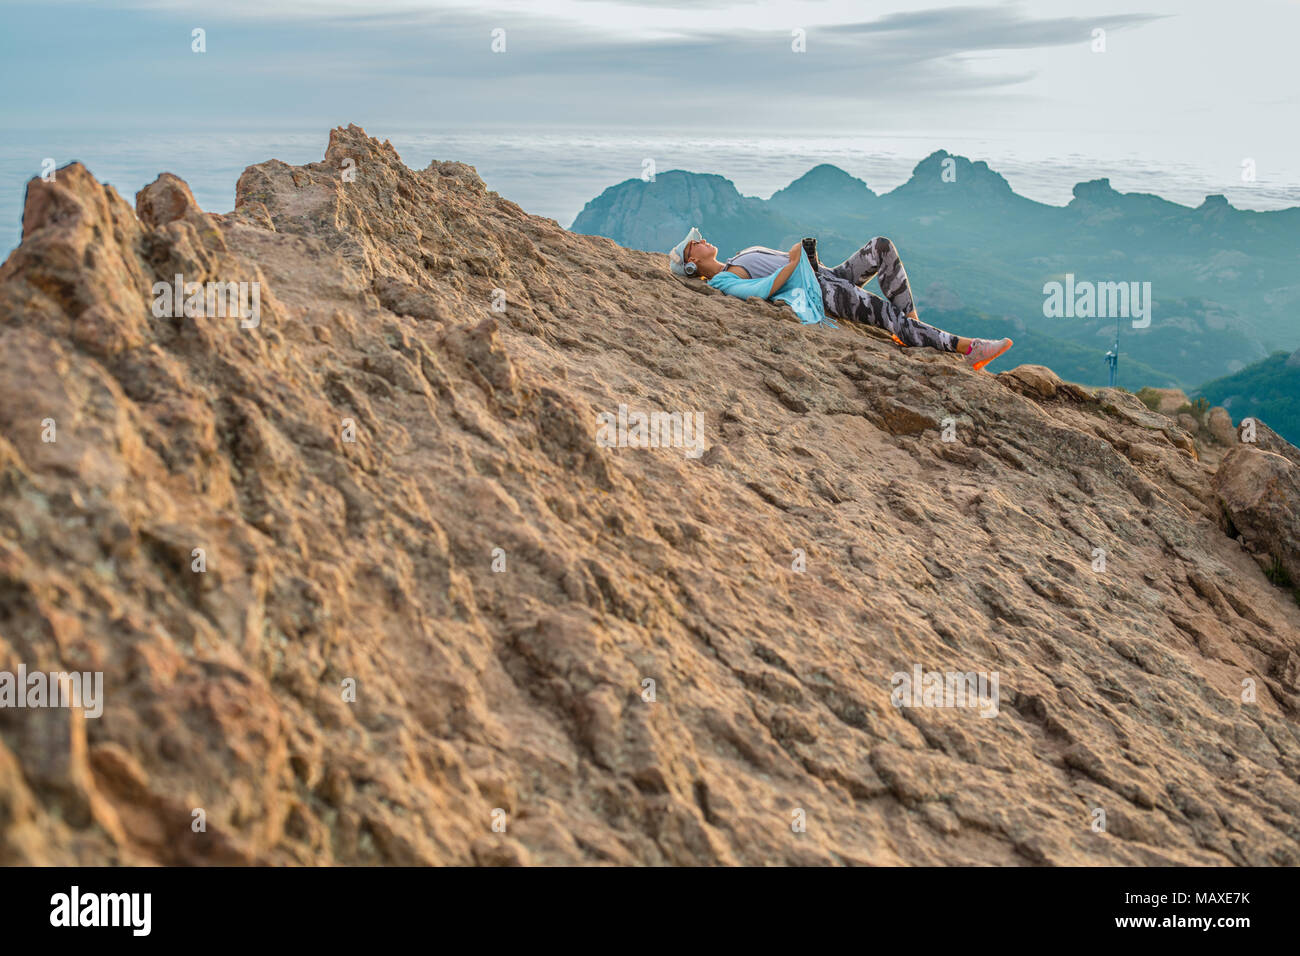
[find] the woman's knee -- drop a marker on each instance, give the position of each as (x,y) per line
(881,246)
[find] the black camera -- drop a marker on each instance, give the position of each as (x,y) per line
(810,250)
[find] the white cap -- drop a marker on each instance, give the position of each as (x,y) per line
(676,257)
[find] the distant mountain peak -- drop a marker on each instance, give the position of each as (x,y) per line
(822,184)
(1094,190)
(942,168)
(828,174)
(656,214)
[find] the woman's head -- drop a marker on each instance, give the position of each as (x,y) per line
(699,251)
(691,256)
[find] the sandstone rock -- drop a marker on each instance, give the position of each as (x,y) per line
(433,602)
(1260,436)
(1036,381)
(1219,424)
(1169,400)
(1260,491)
(165,200)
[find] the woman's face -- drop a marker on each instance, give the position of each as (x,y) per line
(697,250)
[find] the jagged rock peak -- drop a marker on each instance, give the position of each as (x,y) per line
(389,565)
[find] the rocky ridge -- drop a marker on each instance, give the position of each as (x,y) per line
(432,601)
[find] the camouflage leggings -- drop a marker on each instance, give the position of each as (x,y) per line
(844,299)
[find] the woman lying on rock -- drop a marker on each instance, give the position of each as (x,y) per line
(814,291)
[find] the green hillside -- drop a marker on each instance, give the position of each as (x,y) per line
(1268,390)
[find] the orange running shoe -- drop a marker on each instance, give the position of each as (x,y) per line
(984,351)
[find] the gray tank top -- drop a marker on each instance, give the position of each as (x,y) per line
(760,261)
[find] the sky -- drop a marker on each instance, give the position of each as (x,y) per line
(1198,81)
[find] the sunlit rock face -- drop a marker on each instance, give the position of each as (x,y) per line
(449,536)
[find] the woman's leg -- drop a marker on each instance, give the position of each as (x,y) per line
(879,258)
(844,300)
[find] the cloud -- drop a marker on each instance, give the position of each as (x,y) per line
(404,61)
(950,31)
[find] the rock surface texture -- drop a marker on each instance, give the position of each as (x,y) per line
(360,676)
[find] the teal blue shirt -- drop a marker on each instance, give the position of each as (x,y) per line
(801,291)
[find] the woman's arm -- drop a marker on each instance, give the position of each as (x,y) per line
(784,275)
